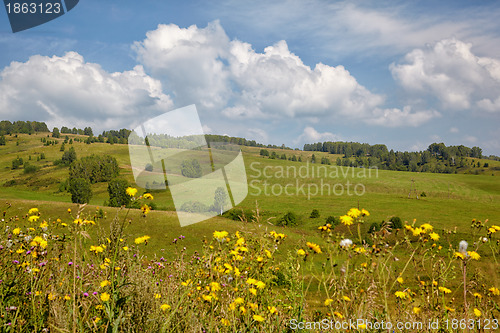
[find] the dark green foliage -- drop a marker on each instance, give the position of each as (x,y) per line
(283,156)
(149,167)
(2,140)
(117,190)
(17,163)
(28,127)
(396,223)
(69,156)
(56,133)
(191,169)
(332,220)
(273,155)
(63,147)
(325,160)
(374,227)
(30,168)
(80,190)
(288,220)
(264,152)
(95,168)
(314,214)
(313,159)
(423,195)
(88,131)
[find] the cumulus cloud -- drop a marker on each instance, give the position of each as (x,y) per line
(203,66)
(312,135)
(454,130)
(67,90)
(456,77)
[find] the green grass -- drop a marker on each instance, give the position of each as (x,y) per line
(452,199)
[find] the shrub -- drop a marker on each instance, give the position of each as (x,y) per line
(423,194)
(149,167)
(69,156)
(314,214)
(191,168)
(80,190)
(30,168)
(17,163)
(117,190)
(332,220)
(396,223)
(288,220)
(374,227)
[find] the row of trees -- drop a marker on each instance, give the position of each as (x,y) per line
(26,127)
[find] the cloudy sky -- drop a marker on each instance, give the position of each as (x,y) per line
(291,72)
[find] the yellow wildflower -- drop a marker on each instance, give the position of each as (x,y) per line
(401,294)
(33,218)
(477,312)
(207,298)
(225,322)
(131,191)
(157,296)
(148,196)
(67,297)
(459,255)
(494,291)
(33,211)
(345,298)
(400,280)
(444,290)
(474,255)
(258,318)
(105,283)
(354,213)
(239,301)
(314,247)
(346,220)
(364,212)
(220,235)
(416,310)
(105,297)
(301,252)
(272,309)
(426,227)
(434,236)
(142,239)
(16,231)
(253,291)
(328,301)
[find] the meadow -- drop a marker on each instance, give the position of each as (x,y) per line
(92,268)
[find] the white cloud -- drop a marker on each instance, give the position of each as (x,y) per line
(311,135)
(202,66)
(454,130)
(449,71)
(470,139)
(397,117)
(69,91)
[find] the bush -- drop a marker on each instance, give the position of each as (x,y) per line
(80,190)
(149,167)
(314,214)
(288,220)
(332,220)
(374,227)
(396,223)
(69,156)
(191,169)
(30,168)
(423,194)
(17,163)
(117,190)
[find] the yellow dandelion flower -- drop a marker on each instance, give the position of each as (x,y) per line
(214,286)
(243,310)
(434,236)
(141,240)
(494,291)
(301,252)
(33,218)
(474,255)
(338,314)
(258,318)
(362,326)
(426,227)
(449,309)
(328,301)
(239,301)
(444,290)
(67,297)
(240,241)
(478,295)
(105,297)
(148,196)
(360,250)
(51,297)
(272,309)
(207,298)
(16,231)
(187,282)
(253,291)
(354,213)
(105,283)
(131,191)
(417,231)
(220,235)
(125,248)
(157,296)
(400,280)
(225,322)
(314,247)
(268,253)
(346,220)
(365,212)
(345,298)
(459,255)
(145,209)
(416,310)
(477,312)
(260,285)
(401,294)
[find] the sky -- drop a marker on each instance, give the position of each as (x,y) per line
(404,74)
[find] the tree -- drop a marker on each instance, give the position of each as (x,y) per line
(55,133)
(88,131)
(80,190)
(220,199)
(191,168)
(69,156)
(117,189)
(264,152)
(2,140)
(313,159)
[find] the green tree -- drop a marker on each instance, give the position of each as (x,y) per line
(2,140)
(117,190)
(80,190)
(220,199)
(191,168)
(56,133)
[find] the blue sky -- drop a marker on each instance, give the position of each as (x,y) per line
(293,72)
